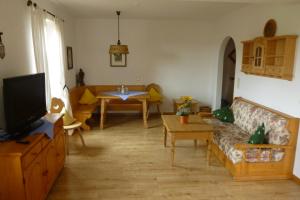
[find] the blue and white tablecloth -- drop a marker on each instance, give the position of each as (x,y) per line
(125,96)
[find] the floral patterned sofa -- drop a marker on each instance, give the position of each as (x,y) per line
(256,162)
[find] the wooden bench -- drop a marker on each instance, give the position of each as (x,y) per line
(84,112)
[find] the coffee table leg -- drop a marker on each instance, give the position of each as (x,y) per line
(195,143)
(165,136)
(173,151)
(208,152)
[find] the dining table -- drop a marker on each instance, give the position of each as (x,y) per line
(107,96)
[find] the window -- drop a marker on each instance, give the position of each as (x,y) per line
(53,43)
(258,57)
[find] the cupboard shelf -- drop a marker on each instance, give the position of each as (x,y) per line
(270,57)
(274,56)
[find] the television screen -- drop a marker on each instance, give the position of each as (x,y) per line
(24,101)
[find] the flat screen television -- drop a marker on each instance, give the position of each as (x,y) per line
(24,102)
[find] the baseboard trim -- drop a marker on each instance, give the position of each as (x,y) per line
(124,114)
(296,179)
(133,114)
(168,113)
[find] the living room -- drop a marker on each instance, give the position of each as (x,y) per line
(178,45)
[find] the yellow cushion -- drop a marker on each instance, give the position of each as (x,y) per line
(68,119)
(88,98)
(154,95)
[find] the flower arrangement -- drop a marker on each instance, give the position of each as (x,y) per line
(185,108)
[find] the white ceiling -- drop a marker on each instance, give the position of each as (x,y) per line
(157,9)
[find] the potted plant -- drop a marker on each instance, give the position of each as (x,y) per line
(184,110)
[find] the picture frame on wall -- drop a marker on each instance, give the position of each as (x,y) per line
(118,60)
(69,58)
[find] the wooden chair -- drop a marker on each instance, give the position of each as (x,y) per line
(57,106)
(150,102)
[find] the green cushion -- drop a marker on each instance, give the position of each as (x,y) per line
(224,114)
(267,136)
(259,136)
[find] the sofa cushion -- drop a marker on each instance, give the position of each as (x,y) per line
(154,95)
(227,135)
(274,124)
(224,114)
(248,117)
(88,97)
(243,112)
(259,135)
(264,155)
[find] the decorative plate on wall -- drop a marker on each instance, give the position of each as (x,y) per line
(270,28)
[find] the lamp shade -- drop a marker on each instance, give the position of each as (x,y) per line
(118,49)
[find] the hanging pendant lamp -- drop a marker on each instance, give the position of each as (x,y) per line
(119,48)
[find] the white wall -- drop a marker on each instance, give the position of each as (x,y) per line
(181,56)
(15,25)
(174,54)
(279,94)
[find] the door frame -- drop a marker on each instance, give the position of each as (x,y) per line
(219,78)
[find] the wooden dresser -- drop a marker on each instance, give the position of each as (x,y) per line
(28,171)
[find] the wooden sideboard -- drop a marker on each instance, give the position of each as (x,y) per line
(28,171)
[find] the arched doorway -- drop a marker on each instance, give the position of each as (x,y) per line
(229,61)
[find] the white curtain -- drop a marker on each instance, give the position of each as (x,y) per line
(59,24)
(49,49)
(38,19)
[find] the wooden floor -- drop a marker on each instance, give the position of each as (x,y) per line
(126,161)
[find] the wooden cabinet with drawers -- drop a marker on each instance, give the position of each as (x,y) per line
(28,171)
(271,57)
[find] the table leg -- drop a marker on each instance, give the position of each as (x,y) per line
(145,113)
(67,141)
(195,143)
(208,152)
(102,114)
(173,151)
(174,106)
(165,135)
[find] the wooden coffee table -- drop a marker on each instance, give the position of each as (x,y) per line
(195,129)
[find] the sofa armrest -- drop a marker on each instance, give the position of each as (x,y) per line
(261,146)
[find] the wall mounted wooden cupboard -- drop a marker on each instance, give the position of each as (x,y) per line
(271,57)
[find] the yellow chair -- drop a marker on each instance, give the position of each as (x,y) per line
(155,97)
(57,106)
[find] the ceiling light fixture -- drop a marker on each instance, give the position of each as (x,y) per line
(119,49)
